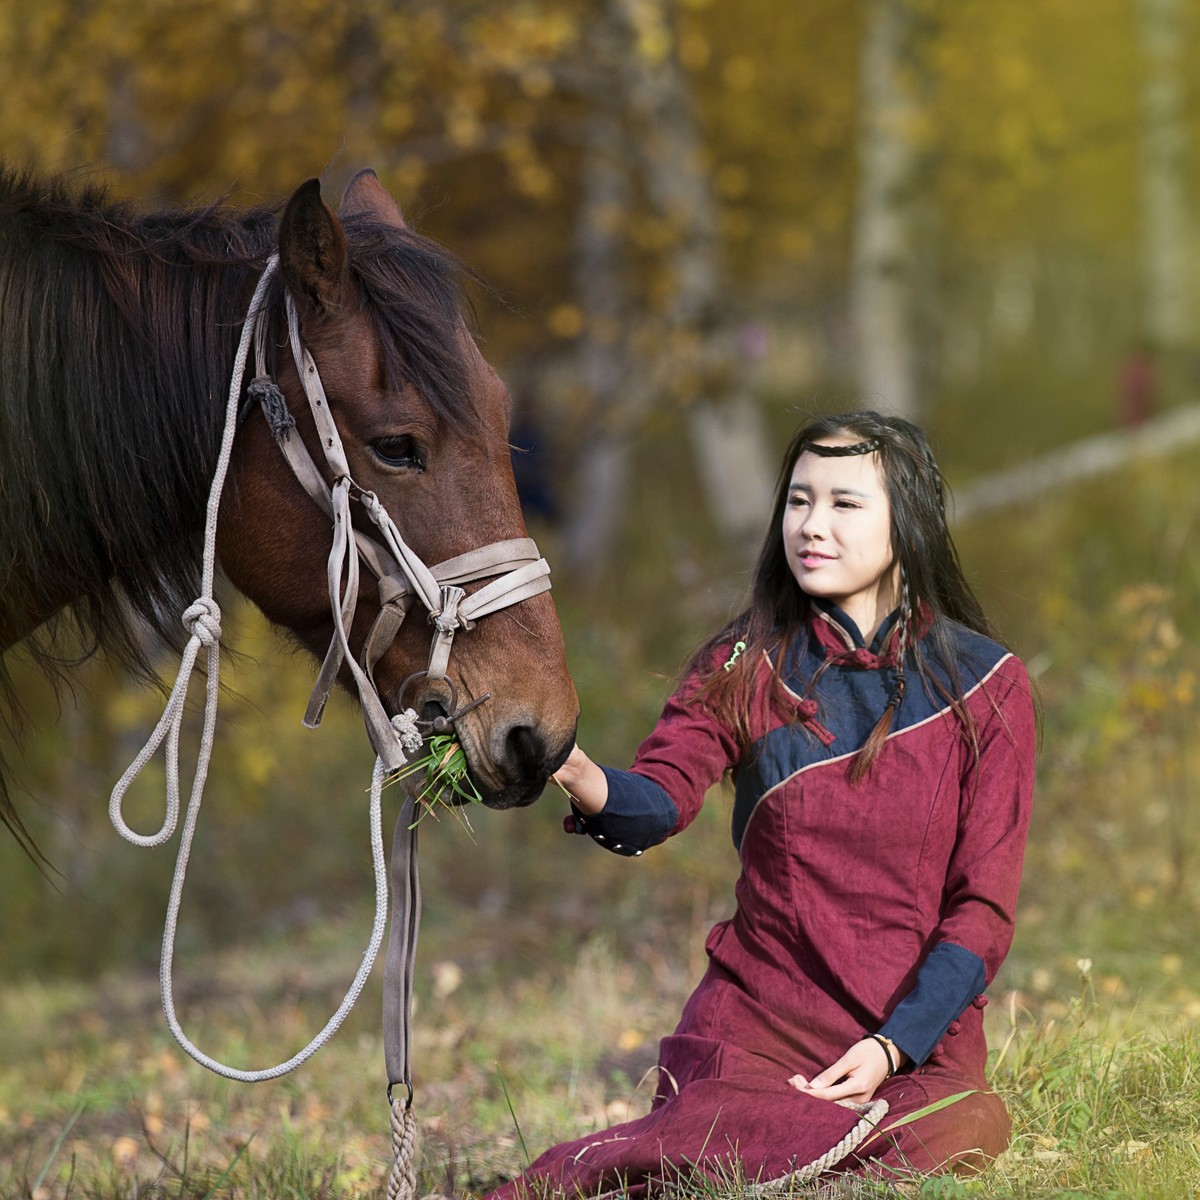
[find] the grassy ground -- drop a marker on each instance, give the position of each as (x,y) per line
(516,1047)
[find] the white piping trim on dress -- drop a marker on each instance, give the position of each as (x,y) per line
(825,762)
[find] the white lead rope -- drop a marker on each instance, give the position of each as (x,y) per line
(378,926)
(203,622)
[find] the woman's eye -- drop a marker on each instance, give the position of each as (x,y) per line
(399,453)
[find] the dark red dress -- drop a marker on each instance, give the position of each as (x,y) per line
(880,907)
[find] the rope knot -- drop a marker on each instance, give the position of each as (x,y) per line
(203,621)
(446,619)
(265,391)
(405,725)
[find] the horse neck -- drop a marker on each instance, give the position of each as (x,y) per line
(117,344)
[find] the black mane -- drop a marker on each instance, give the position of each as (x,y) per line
(117,338)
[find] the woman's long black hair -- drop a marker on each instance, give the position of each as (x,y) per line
(933,586)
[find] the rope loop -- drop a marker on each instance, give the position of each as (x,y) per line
(202,620)
(372,504)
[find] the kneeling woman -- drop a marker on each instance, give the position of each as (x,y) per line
(882,745)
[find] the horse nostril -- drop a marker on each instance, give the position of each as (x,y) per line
(526,752)
(436,713)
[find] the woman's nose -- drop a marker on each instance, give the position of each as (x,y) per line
(813,525)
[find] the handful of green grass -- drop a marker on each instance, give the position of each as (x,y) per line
(441,772)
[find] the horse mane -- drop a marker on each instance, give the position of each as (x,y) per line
(117,337)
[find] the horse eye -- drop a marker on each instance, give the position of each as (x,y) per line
(399,453)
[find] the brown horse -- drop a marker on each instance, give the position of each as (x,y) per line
(118,334)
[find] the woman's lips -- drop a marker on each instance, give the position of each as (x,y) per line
(810,558)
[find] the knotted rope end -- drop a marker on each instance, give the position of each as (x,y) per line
(405,725)
(266,392)
(447,618)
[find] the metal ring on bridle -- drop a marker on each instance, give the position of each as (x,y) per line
(435,724)
(440,724)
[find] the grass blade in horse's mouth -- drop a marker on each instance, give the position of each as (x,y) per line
(443,775)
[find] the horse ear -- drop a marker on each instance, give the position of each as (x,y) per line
(312,250)
(367,196)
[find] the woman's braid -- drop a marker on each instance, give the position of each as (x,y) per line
(903,631)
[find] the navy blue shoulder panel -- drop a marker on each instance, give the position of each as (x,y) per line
(851,702)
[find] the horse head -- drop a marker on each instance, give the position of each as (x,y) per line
(423,420)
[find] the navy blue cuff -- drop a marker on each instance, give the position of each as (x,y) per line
(949,979)
(637,815)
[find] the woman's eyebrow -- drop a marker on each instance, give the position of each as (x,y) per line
(837,491)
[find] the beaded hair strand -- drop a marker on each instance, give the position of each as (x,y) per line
(865,758)
(903,631)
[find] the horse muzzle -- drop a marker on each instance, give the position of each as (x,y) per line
(525,759)
(510,759)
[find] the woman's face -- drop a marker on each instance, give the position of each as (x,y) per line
(837,533)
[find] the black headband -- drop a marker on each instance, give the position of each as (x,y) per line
(867,447)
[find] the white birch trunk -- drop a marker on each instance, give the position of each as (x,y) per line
(602,472)
(733,459)
(1088,458)
(884,282)
(1166,233)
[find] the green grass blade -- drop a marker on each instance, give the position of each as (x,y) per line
(229,1169)
(929,1109)
(58,1142)
(512,1112)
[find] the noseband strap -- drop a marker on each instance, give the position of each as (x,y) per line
(401,573)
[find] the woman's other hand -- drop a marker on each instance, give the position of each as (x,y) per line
(584,782)
(854,1078)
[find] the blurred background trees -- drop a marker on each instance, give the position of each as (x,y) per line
(697,221)
(671,198)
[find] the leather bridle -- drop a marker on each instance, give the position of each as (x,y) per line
(515,567)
